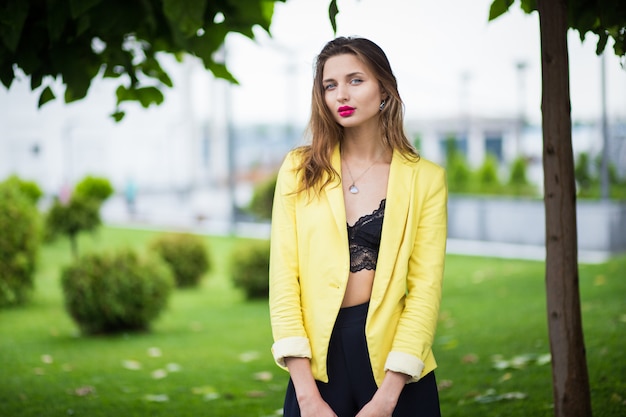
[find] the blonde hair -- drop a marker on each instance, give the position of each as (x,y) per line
(315,169)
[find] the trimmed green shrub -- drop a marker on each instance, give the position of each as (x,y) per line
(518,172)
(186,254)
(582,172)
(263,199)
(487,175)
(94,188)
(29,188)
(459,175)
(78,215)
(115,292)
(249,268)
(19,243)
(518,181)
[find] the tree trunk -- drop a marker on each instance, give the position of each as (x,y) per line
(570,380)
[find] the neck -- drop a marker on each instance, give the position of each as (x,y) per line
(364,148)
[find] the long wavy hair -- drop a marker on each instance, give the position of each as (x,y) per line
(316,170)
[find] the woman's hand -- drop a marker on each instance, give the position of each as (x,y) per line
(309,399)
(315,407)
(384,401)
(377,408)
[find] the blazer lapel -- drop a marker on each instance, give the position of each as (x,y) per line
(334,194)
(399,193)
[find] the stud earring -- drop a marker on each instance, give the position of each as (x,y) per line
(382,105)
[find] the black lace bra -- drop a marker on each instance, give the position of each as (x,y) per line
(364,240)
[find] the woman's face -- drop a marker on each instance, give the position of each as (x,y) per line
(351,91)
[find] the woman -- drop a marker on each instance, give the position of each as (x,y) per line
(357,249)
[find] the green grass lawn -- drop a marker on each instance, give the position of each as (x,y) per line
(208,354)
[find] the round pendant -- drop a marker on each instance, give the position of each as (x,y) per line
(353,189)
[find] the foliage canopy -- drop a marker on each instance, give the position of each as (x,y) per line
(606,19)
(78,40)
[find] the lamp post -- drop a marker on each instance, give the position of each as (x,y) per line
(604,166)
(521,104)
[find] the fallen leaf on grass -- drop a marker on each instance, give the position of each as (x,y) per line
(470,358)
(448,342)
(173,367)
(520,361)
(255,394)
(83,391)
(208,392)
(264,376)
(249,356)
(131,365)
(599,280)
(155,352)
(505,377)
(491,397)
(47,359)
(67,367)
(158,374)
(157,398)
(39,371)
(444,384)
(544,359)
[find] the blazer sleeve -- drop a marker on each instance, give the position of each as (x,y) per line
(290,338)
(418,321)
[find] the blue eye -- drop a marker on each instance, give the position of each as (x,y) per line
(329,87)
(356,81)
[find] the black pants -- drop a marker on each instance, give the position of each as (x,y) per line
(351,383)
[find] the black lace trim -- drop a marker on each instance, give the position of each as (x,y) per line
(364,240)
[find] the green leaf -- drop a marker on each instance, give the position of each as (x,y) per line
(498,8)
(118,115)
(78,7)
(152,68)
(11,28)
(45,96)
(267,11)
(144,95)
(57,17)
(35,80)
(333,10)
(6,73)
(220,71)
(78,66)
(529,6)
(602,40)
(149,95)
(186,15)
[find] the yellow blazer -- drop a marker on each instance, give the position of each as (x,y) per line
(310,262)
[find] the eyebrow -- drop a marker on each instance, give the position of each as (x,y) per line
(352,74)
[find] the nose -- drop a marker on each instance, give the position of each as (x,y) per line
(342,92)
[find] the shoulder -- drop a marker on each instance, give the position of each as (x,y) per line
(420,164)
(290,171)
(293,159)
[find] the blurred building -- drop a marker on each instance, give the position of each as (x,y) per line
(190,146)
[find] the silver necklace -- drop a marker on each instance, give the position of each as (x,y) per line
(353,188)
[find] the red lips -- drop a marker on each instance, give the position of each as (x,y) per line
(345,111)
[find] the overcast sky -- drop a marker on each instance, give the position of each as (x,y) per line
(446,55)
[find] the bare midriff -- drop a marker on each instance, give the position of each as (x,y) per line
(359,288)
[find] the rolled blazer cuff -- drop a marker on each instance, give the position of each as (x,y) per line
(406,364)
(291,347)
